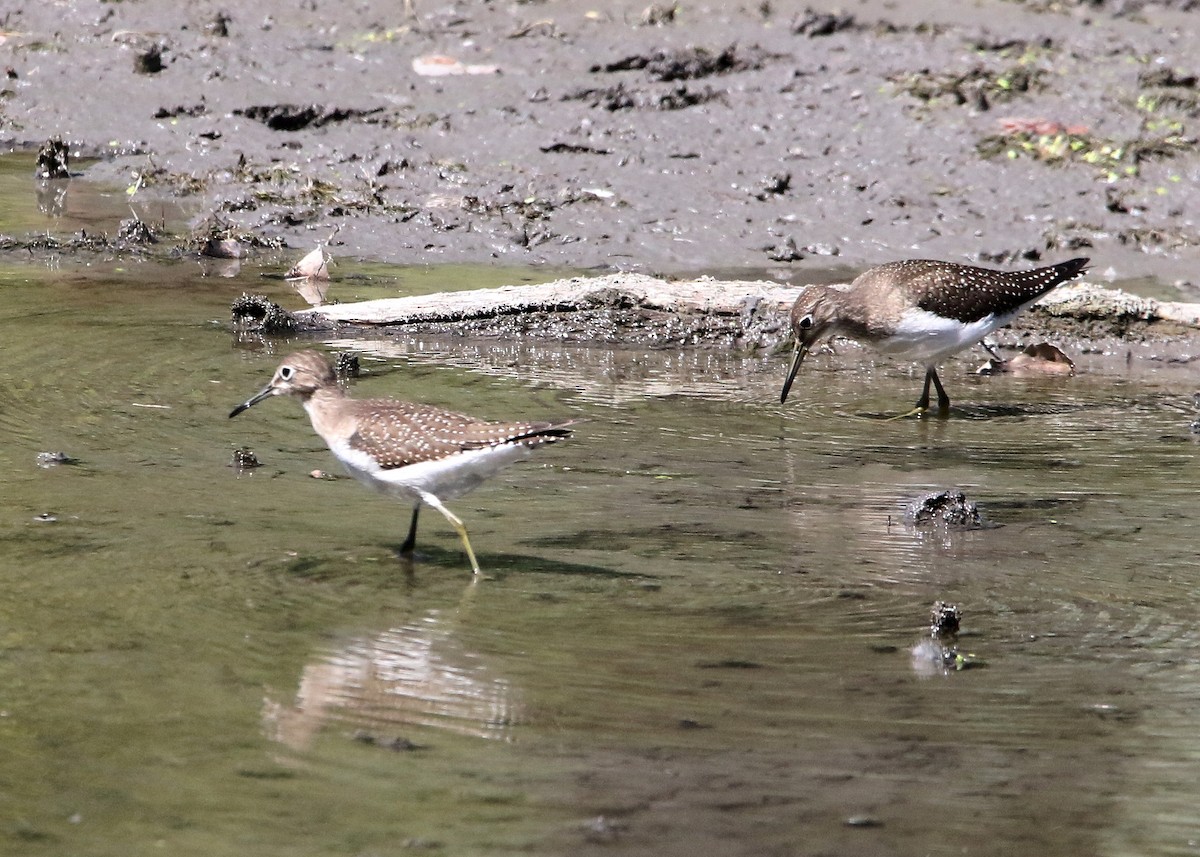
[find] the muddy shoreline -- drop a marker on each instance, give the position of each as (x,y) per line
(701,139)
(703,604)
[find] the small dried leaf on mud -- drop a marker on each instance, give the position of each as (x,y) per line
(1039,125)
(440,65)
(1040,359)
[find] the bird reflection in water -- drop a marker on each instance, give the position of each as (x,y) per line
(417,674)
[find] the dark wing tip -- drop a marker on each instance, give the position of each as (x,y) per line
(525,435)
(1072,268)
(558,431)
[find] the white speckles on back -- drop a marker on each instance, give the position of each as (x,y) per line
(398,447)
(400,434)
(923,309)
(962,292)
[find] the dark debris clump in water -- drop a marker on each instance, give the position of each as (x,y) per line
(345,365)
(134,237)
(46,460)
(944,619)
(220,239)
(937,653)
(398,743)
(258,313)
(948,507)
(81,241)
(136,231)
(52,160)
(245,459)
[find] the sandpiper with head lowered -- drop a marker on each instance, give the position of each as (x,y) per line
(920,310)
(416,452)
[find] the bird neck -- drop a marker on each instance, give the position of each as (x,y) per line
(852,318)
(325,406)
(868,314)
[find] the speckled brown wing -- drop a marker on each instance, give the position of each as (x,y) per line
(968,294)
(397,434)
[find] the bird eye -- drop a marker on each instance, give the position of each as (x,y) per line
(286,373)
(806,322)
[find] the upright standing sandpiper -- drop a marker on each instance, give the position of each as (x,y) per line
(417,452)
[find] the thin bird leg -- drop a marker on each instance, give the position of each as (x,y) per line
(943,399)
(455,522)
(411,541)
(922,405)
(991,350)
(923,402)
(931,377)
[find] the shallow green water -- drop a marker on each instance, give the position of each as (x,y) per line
(696,630)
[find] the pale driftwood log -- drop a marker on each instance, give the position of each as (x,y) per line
(1089,301)
(576,293)
(732,302)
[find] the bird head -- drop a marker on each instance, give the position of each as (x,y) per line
(813,317)
(300,374)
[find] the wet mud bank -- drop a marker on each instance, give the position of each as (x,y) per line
(700,138)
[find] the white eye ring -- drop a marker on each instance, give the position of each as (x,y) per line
(286,372)
(806,322)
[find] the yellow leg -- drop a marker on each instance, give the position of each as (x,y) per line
(922,406)
(918,411)
(458,525)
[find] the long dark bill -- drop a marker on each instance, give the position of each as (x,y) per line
(797,359)
(264,393)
